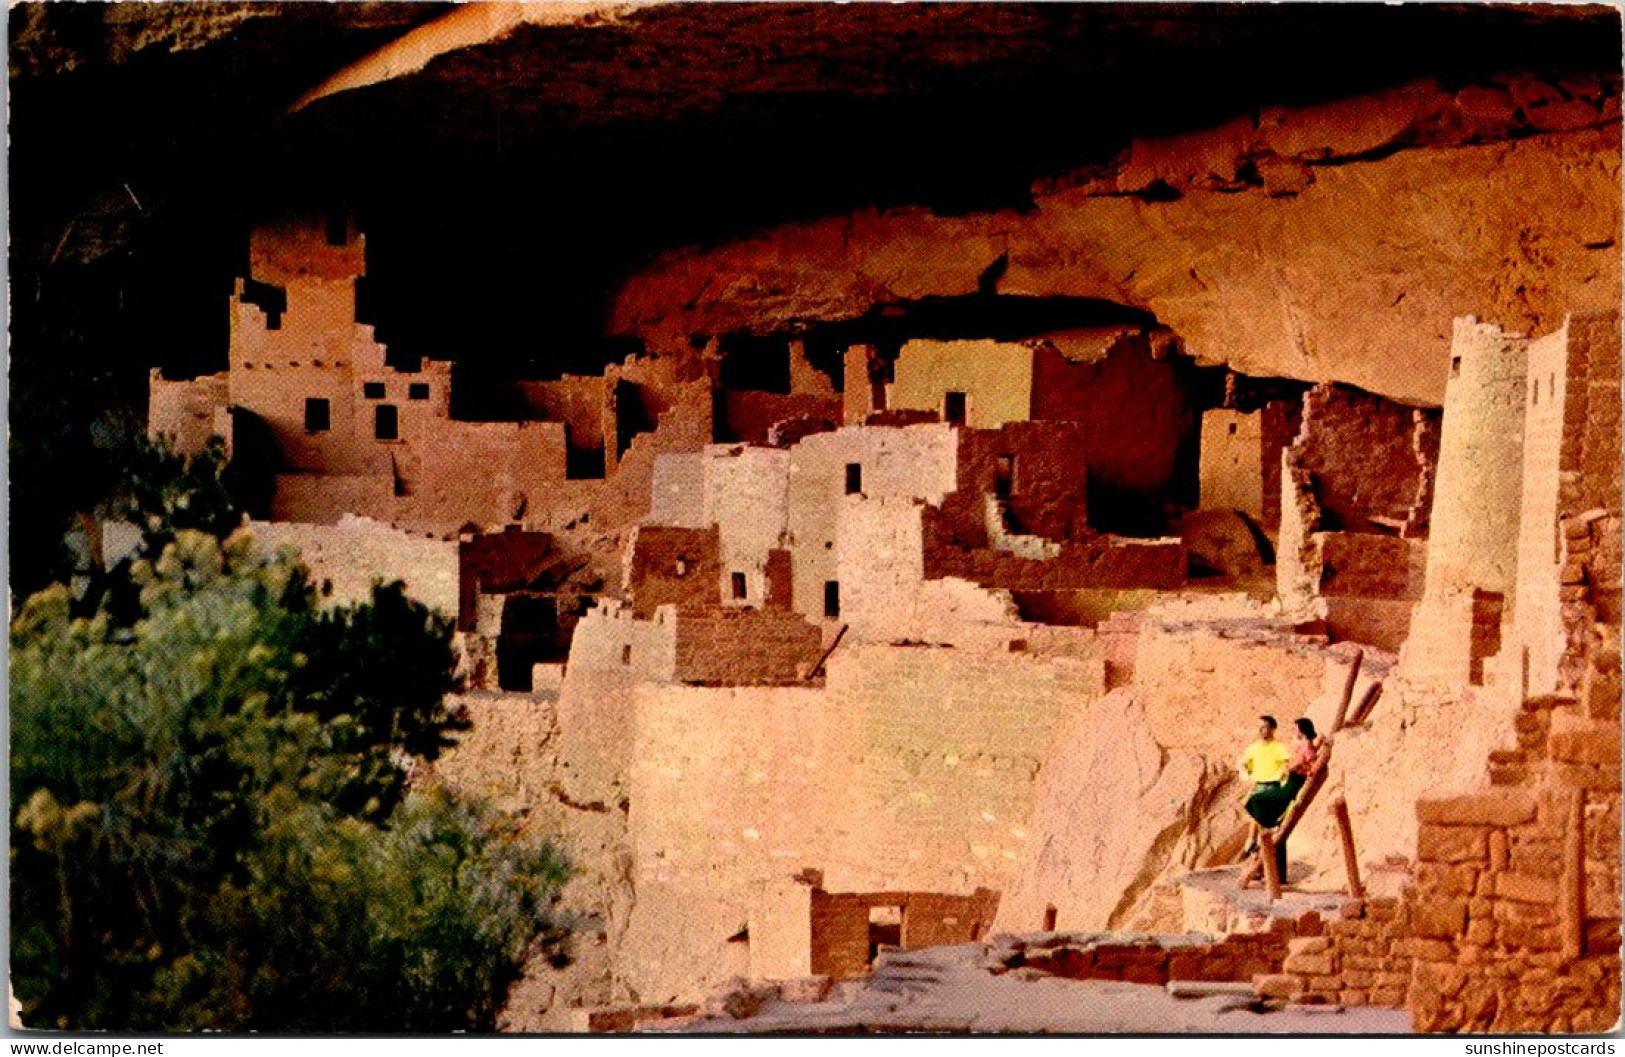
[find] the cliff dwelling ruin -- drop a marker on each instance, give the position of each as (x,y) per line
(880,467)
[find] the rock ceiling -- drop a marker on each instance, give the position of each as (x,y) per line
(515,164)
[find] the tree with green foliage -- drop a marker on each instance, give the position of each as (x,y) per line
(213,827)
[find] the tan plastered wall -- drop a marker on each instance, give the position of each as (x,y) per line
(357,552)
(915,462)
(1474,533)
(1232,470)
(1473,542)
(747,498)
(1537,624)
(677,491)
(996,378)
(610,654)
(912,769)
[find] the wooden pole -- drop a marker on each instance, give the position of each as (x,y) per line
(1266,857)
(1572,908)
(1348,690)
(815,669)
(1351,861)
(1368,701)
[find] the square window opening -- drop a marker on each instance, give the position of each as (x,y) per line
(372,390)
(417,391)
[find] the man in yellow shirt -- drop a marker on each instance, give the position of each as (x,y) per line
(1264,764)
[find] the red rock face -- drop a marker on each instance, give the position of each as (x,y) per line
(1326,243)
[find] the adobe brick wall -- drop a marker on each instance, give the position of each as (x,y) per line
(1157,959)
(499,562)
(1364,959)
(1048,493)
(747,498)
(575,400)
(1473,542)
(1090,562)
(1369,585)
(1280,422)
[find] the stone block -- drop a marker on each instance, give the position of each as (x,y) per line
(1307,945)
(1437,880)
(1387,996)
(1278,985)
(1442,919)
(1382,910)
(1361,963)
(1530,937)
(1353,997)
(1598,747)
(1358,978)
(1449,844)
(1525,888)
(1510,808)
(1310,964)
(1480,932)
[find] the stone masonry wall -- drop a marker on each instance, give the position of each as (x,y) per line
(911,770)
(744,647)
(1358,447)
(1135,411)
(996,378)
(188,412)
(671,566)
(1232,462)
(916,462)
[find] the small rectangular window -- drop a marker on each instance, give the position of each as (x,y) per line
(1004,477)
(738,582)
(1535,399)
(273,320)
(953,408)
(318,414)
(372,390)
(417,391)
(385,422)
(832,598)
(1455,366)
(854,478)
(626,654)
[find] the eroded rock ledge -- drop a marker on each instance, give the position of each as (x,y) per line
(1329,243)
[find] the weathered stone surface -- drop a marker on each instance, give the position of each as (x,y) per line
(1268,311)
(1479,809)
